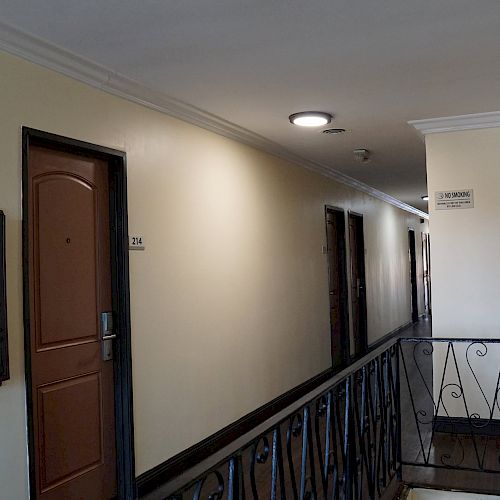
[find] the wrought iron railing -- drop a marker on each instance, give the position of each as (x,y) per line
(343,443)
(450,391)
(420,402)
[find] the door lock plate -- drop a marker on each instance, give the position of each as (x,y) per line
(107,335)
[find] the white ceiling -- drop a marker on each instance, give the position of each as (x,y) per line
(373,64)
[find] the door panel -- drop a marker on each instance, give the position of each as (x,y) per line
(69,287)
(77,434)
(65,243)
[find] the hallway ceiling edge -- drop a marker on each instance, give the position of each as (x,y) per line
(21,44)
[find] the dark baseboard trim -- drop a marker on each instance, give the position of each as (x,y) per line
(166,471)
(462,425)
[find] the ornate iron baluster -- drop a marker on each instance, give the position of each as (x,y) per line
(362,436)
(258,457)
(307,452)
(339,450)
(479,464)
(214,495)
(413,405)
(235,483)
(323,410)
(277,466)
(350,475)
(393,393)
(294,430)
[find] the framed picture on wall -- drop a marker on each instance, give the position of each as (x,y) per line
(4,349)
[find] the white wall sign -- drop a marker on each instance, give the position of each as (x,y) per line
(451,200)
(136,243)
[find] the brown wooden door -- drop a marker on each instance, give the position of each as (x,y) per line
(358,286)
(69,287)
(337,282)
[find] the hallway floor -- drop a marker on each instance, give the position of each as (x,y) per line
(423,328)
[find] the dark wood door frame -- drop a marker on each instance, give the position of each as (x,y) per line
(120,296)
(413,274)
(339,214)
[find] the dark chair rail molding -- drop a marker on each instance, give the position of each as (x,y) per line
(346,439)
(195,454)
(166,471)
(342,443)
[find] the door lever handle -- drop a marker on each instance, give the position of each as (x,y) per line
(109,337)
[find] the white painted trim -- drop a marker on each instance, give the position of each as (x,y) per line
(455,123)
(48,55)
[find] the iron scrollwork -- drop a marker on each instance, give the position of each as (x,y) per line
(341,445)
(453,416)
(346,443)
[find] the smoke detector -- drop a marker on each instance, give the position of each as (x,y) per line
(362,155)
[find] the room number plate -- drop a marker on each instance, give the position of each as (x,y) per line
(136,243)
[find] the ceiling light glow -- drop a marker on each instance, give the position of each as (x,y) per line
(310,118)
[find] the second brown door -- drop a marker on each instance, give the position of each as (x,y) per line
(337,283)
(358,284)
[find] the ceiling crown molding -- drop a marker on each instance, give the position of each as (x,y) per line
(51,56)
(455,123)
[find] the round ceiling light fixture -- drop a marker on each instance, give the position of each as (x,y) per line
(425,197)
(310,118)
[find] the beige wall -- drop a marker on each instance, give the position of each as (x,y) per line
(464,259)
(229,299)
(465,243)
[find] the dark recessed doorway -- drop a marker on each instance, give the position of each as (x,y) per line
(337,286)
(358,284)
(413,275)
